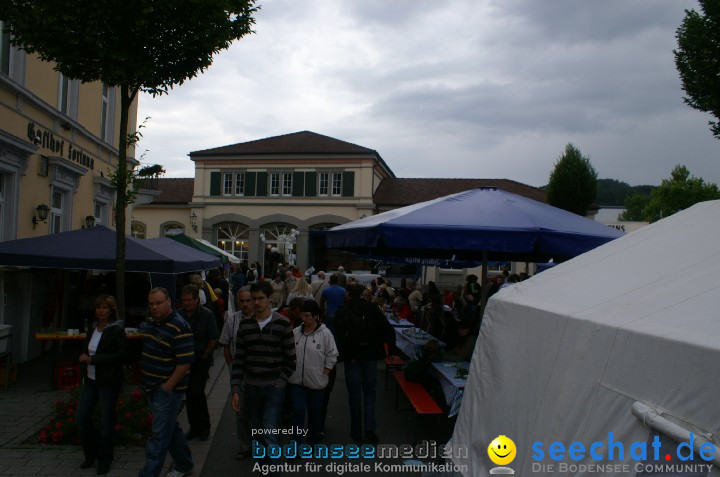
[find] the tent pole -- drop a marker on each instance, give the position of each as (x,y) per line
(485,290)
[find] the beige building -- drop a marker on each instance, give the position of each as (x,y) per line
(268,200)
(58,143)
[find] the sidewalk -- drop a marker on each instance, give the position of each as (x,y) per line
(27,405)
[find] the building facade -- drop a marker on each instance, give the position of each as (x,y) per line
(58,145)
(269,200)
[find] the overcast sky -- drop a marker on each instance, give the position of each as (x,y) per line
(458,88)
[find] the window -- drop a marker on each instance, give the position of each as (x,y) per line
(336,183)
(64,94)
(330,183)
(287,183)
(172,228)
(59,213)
(101,212)
(228,183)
(3,220)
(281,183)
(234,238)
(239,183)
(4,50)
(138,230)
(105,111)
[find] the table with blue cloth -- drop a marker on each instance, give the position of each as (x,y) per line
(396,322)
(451,381)
(411,341)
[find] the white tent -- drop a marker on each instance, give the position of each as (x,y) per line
(565,356)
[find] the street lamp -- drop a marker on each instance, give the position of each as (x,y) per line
(40,215)
(193,221)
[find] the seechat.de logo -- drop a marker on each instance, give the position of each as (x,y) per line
(502,451)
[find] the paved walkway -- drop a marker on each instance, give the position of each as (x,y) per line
(27,405)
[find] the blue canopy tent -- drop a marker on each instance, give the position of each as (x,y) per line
(94,249)
(473,226)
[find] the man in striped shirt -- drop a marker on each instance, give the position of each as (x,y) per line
(265,358)
(168,351)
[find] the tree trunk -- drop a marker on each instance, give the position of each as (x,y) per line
(120,201)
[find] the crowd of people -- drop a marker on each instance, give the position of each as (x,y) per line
(282,346)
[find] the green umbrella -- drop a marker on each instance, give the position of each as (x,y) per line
(191,242)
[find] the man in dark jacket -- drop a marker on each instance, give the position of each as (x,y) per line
(205,337)
(361,333)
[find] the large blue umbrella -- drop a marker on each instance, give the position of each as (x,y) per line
(480,223)
(94,249)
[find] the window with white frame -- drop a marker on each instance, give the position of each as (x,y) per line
(233,237)
(274,183)
(172,228)
(4,50)
(64,94)
(336,183)
(287,183)
(239,183)
(330,183)
(105,111)
(59,210)
(101,212)
(228,183)
(138,230)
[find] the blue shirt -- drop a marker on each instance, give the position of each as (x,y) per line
(334,298)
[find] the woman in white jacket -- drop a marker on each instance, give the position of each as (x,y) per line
(316,355)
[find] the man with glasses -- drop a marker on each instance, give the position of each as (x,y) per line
(168,351)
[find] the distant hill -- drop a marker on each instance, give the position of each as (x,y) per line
(614,192)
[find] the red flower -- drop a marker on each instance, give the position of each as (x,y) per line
(59,424)
(118,427)
(136,394)
(70,420)
(128,415)
(121,402)
(70,412)
(43,437)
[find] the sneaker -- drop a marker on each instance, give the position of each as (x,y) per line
(178,473)
(372,437)
(191,434)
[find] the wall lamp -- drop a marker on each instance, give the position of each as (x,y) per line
(40,215)
(193,221)
(88,222)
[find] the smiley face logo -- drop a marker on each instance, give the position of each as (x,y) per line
(502,450)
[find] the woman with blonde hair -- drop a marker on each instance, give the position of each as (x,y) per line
(300,290)
(104,356)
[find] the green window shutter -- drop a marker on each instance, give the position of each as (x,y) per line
(250,184)
(215,178)
(310,184)
(348,183)
(298,184)
(262,184)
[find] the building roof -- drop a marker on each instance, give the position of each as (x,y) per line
(399,192)
(175,191)
(303,142)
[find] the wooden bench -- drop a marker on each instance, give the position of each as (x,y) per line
(420,400)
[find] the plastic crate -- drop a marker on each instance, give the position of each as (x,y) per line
(66,375)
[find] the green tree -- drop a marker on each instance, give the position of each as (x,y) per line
(635,208)
(696,59)
(573,182)
(678,193)
(136,45)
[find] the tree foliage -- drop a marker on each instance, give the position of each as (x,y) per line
(612,192)
(697,59)
(137,45)
(677,193)
(573,182)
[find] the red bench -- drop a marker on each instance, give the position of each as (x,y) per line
(420,400)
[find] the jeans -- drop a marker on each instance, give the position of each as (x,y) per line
(264,404)
(195,399)
(242,422)
(311,399)
(97,444)
(361,381)
(167,435)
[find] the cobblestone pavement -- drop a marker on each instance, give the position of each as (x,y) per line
(27,405)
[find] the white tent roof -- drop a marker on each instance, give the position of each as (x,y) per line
(230,256)
(564,355)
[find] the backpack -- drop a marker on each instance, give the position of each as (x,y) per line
(358,337)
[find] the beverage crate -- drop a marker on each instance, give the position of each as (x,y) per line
(65,375)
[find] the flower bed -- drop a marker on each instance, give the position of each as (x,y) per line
(132,427)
